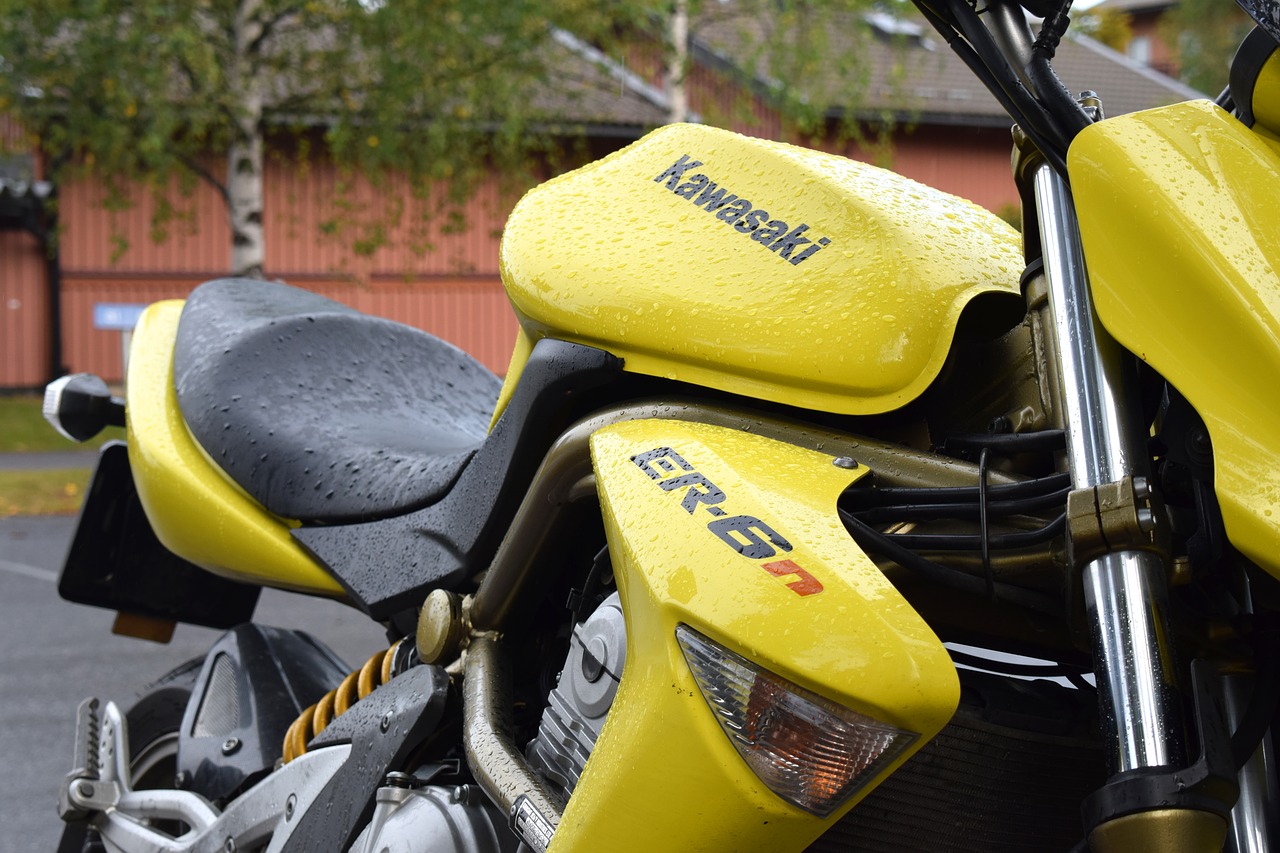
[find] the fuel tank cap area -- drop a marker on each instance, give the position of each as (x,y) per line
(757,268)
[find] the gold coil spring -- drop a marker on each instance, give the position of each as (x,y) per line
(359,684)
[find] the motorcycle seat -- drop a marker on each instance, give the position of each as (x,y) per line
(321,413)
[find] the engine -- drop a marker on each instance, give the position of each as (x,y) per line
(454,819)
(461,819)
(581,700)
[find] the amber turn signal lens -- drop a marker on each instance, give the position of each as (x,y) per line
(812,752)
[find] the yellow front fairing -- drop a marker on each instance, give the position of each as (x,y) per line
(757,268)
(1180,218)
(663,775)
(196,512)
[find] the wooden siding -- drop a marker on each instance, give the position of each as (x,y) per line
(318,223)
(315,217)
(970,162)
(471,313)
(24,312)
(439,279)
(101,241)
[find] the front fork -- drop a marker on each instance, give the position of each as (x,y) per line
(1126,592)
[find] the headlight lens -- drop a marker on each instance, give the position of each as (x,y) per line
(810,751)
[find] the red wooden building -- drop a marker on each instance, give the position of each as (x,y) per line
(950,134)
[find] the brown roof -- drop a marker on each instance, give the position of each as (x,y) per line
(915,76)
(898,65)
(582,87)
(591,88)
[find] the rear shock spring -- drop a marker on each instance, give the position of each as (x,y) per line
(376,671)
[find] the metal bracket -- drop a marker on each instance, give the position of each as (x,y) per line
(1112,517)
(1208,785)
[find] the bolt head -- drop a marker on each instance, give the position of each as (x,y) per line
(84,789)
(1146,520)
(1141,488)
(230,745)
(289,806)
(396,779)
(845,462)
(594,655)
(386,722)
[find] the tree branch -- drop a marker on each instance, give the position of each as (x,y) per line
(269,26)
(205,175)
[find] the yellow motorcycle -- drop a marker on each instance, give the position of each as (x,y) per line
(818,510)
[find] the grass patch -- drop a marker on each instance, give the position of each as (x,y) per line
(24,430)
(58,492)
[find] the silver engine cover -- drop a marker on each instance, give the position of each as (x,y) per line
(435,820)
(580,702)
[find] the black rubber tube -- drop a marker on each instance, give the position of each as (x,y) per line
(872,540)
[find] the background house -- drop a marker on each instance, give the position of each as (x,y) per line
(946,131)
(1191,42)
(1147,43)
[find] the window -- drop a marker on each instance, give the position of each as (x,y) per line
(1140,49)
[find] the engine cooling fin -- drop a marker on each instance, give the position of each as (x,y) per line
(1007,774)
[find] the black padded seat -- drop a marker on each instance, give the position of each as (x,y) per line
(322,413)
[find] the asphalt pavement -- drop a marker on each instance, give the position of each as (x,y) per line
(56,653)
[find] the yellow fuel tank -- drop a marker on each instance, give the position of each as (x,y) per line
(755,267)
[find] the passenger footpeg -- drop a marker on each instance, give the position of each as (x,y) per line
(100,771)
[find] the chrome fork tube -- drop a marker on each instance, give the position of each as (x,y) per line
(1254,818)
(1126,595)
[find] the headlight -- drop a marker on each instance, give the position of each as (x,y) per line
(808,750)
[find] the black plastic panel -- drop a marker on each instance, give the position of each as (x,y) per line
(383,729)
(116,561)
(389,565)
(255,682)
(322,413)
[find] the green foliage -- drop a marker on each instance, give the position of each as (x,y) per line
(1205,35)
(432,89)
(1112,27)
(23,428)
(1012,214)
(435,95)
(804,59)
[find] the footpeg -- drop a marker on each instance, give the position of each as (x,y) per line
(100,767)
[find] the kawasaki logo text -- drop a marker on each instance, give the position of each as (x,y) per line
(777,236)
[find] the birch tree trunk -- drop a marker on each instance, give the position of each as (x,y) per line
(245,152)
(678,63)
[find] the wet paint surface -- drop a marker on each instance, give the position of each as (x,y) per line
(1180,219)
(755,267)
(856,641)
